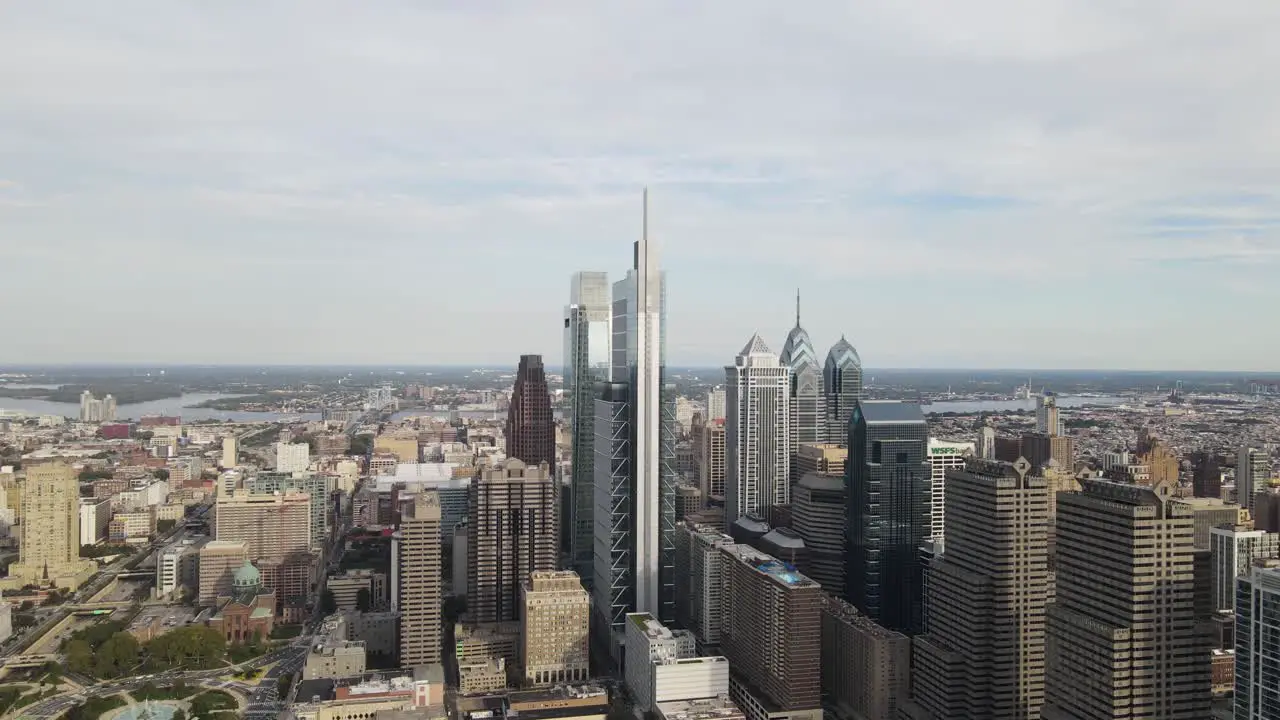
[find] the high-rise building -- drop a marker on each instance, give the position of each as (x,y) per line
(271,526)
(1048,421)
(701,582)
(95,410)
(292,457)
(806,401)
(230,456)
(635,447)
(1257,694)
(716,404)
(817,515)
(983,655)
(757,432)
(1122,639)
(1206,475)
(771,636)
(987,443)
(587,357)
(553,631)
(866,669)
(823,458)
(49,545)
(315,486)
(511,532)
(709,454)
(889,513)
(416,581)
(842,384)
(1233,551)
(531,429)
(1253,473)
(943,456)
(219,560)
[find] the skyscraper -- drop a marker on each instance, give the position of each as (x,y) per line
(416,581)
(943,456)
(715,404)
(1048,421)
(888,516)
(1257,694)
(49,546)
(1122,639)
(587,336)
(757,432)
(983,655)
(1253,473)
(806,399)
(511,532)
(531,430)
(636,433)
(842,383)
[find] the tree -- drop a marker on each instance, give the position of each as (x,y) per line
(79,657)
(164,526)
(328,604)
(161,474)
(117,656)
(364,600)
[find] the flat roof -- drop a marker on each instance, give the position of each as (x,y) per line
(891,411)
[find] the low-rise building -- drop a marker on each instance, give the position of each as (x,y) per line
(377,630)
(365,696)
(334,659)
(95,517)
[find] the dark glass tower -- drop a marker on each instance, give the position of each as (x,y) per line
(531,430)
(888,483)
(842,385)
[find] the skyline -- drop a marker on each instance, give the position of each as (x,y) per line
(980,186)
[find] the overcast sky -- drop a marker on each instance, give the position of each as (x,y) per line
(951,183)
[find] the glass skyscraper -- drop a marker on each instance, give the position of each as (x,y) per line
(887,479)
(807,400)
(587,337)
(842,385)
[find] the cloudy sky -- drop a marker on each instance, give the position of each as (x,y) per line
(951,183)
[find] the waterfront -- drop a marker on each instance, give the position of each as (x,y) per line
(179,406)
(975,406)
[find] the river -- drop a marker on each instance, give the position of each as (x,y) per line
(974,406)
(179,406)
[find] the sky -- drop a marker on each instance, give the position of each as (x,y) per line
(948,183)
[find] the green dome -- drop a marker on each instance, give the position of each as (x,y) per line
(247,576)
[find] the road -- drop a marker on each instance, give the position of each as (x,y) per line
(262,698)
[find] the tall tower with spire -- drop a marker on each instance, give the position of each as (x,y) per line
(806,399)
(842,381)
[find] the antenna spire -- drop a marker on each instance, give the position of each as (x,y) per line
(644,232)
(797,307)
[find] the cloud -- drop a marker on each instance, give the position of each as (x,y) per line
(944,154)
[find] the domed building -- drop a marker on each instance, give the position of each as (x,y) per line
(249,611)
(842,381)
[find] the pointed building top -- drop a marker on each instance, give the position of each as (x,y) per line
(755,346)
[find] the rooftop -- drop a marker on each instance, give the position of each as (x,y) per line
(717,708)
(891,411)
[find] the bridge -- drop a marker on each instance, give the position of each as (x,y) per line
(137,575)
(82,608)
(21,661)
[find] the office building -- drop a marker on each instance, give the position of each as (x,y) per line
(554,642)
(416,581)
(348,587)
(219,560)
(709,454)
(1122,639)
(178,567)
(49,546)
(587,359)
(983,653)
(1253,473)
(635,474)
(1208,513)
(230,453)
(889,513)
(531,430)
(842,384)
(716,404)
(292,457)
(1257,656)
(757,432)
(688,501)
(817,515)
(866,669)
(511,532)
(662,666)
(271,526)
(1234,548)
(986,445)
(1206,475)
(95,516)
(316,487)
(766,600)
(805,398)
(823,458)
(1048,422)
(943,456)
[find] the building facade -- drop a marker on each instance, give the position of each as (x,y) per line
(271,526)
(943,456)
(511,532)
(1233,551)
(554,642)
(889,512)
(805,398)
(531,429)
(49,545)
(587,358)
(416,582)
(842,384)
(757,432)
(866,669)
(1257,694)
(817,515)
